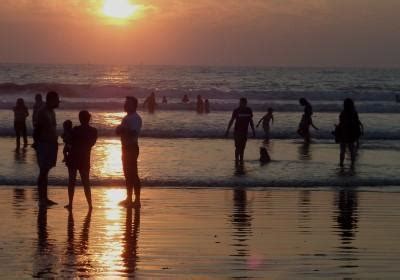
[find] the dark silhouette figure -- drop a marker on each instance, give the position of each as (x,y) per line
(306,120)
(207,106)
(129,131)
(67,138)
(243,116)
(304,211)
(39,104)
(199,105)
(185,99)
(164,100)
(150,103)
(47,146)
(304,151)
(83,138)
(348,131)
(267,120)
(20,115)
(241,222)
(131,237)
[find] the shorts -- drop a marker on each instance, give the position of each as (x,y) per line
(240,141)
(130,155)
(46,154)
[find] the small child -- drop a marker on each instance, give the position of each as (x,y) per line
(67,137)
(268,117)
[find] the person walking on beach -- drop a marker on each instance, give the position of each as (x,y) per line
(39,104)
(83,138)
(199,105)
(267,120)
(348,130)
(306,121)
(47,145)
(20,115)
(129,131)
(243,116)
(150,103)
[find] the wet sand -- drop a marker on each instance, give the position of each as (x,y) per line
(291,233)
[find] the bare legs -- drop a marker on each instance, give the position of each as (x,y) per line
(84,173)
(343,152)
(132,180)
(42,183)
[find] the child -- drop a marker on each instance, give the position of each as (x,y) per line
(67,138)
(269,117)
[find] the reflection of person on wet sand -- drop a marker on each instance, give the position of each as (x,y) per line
(20,115)
(46,146)
(242,116)
(129,131)
(306,121)
(241,222)
(150,103)
(83,138)
(347,219)
(131,237)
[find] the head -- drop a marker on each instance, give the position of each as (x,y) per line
(199,96)
(52,99)
(303,101)
(67,125)
(243,102)
(348,105)
(38,98)
(130,104)
(20,102)
(84,117)
(152,94)
(270,110)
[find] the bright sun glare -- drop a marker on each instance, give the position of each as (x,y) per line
(120,9)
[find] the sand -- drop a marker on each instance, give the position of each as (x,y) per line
(208,233)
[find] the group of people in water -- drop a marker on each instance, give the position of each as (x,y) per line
(79,140)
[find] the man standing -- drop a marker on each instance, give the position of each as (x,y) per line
(129,130)
(39,104)
(47,146)
(243,116)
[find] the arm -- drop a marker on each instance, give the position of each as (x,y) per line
(272,119)
(229,126)
(260,121)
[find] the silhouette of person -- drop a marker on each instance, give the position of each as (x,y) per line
(242,116)
(47,146)
(131,237)
(67,138)
(207,106)
(267,120)
(129,131)
(199,105)
(150,103)
(39,104)
(164,100)
(185,99)
(306,120)
(20,115)
(348,131)
(83,138)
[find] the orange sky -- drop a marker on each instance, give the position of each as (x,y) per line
(206,32)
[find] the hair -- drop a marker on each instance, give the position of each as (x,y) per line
(84,117)
(348,105)
(243,100)
(51,95)
(67,125)
(303,101)
(270,109)
(38,97)
(132,102)
(20,102)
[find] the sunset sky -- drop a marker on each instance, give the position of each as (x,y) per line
(203,32)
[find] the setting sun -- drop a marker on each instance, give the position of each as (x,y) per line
(120,9)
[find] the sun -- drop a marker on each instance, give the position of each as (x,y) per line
(119,9)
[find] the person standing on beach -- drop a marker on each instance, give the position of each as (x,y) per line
(348,131)
(47,146)
(199,105)
(39,104)
(306,121)
(83,138)
(243,116)
(20,115)
(150,103)
(129,131)
(267,120)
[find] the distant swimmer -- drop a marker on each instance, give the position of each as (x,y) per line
(306,121)
(150,103)
(83,138)
(47,146)
(199,105)
(348,131)
(267,120)
(242,116)
(129,131)
(20,115)
(185,99)
(206,106)
(164,100)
